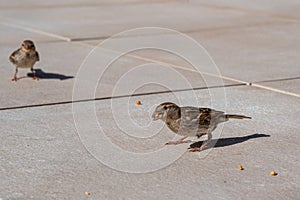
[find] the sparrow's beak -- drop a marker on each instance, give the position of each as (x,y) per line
(155,116)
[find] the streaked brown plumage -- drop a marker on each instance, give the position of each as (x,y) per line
(191,121)
(25,57)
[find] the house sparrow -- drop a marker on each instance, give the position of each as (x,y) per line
(191,121)
(25,57)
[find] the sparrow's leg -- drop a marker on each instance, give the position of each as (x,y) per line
(15,75)
(34,74)
(205,144)
(180,141)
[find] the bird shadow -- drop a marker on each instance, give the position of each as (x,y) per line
(47,75)
(222,142)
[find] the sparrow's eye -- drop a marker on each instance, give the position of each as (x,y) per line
(165,107)
(23,45)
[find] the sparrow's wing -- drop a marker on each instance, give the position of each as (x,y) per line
(13,55)
(37,56)
(198,119)
(196,116)
(203,116)
(189,113)
(194,120)
(215,113)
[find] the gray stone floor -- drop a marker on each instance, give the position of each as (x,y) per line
(102,143)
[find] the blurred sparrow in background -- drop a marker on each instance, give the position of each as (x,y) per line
(191,121)
(25,57)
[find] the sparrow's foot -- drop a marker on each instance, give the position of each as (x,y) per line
(204,146)
(196,149)
(35,77)
(14,79)
(178,142)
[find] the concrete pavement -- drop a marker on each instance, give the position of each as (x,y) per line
(51,148)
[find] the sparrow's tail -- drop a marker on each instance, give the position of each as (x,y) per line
(237,117)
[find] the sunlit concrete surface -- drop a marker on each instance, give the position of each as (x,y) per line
(58,141)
